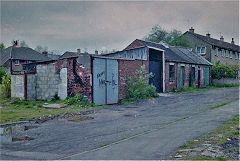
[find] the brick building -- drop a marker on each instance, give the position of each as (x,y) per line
(14,57)
(212,49)
(172,67)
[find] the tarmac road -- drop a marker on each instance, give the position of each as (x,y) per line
(151,129)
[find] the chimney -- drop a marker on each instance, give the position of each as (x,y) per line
(232,42)
(191,30)
(96,52)
(208,35)
(221,38)
(79,51)
(45,53)
(15,43)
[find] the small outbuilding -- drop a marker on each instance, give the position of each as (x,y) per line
(172,67)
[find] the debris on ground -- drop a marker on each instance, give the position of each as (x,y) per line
(54,105)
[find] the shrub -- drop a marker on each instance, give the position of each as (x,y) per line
(5,88)
(138,87)
(77,100)
(224,71)
(2,73)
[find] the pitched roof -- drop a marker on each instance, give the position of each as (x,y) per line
(175,54)
(53,56)
(216,42)
(21,53)
(69,54)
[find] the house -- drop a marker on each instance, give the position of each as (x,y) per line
(14,57)
(212,49)
(172,67)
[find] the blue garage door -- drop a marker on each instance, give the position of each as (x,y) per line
(105,81)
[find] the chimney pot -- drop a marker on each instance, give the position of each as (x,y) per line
(45,53)
(208,35)
(232,42)
(221,38)
(96,52)
(191,30)
(78,50)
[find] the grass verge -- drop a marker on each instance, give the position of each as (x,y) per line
(193,89)
(216,143)
(15,110)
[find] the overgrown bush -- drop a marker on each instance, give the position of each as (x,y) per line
(78,100)
(2,73)
(138,87)
(224,71)
(5,87)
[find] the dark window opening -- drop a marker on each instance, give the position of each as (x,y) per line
(171,73)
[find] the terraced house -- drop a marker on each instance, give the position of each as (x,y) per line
(212,49)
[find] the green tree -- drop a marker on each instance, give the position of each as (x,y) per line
(173,37)
(2,46)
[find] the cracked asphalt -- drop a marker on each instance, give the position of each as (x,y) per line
(151,129)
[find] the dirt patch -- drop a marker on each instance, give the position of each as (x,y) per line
(67,116)
(80,118)
(25,138)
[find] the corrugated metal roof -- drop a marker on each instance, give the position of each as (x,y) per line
(177,54)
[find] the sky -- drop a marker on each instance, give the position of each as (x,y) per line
(107,25)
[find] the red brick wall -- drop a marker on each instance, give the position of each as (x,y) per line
(134,44)
(78,81)
(126,69)
(170,85)
(187,71)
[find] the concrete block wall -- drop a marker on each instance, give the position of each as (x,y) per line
(31,86)
(126,69)
(17,86)
(46,81)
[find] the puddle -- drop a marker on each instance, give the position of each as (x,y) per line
(8,134)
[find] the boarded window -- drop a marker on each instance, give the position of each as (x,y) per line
(193,73)
(216,51)
(171,73)
(227,53)
(223,52)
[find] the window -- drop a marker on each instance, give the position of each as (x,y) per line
(227,53)
(198,50)
(230,54)
(203,50)
(171,73)
(16,62)
(223,53)
(238,55)
(216,51)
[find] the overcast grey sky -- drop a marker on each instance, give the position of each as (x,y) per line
(66,26)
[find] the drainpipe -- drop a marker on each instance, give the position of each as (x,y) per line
(163,58)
